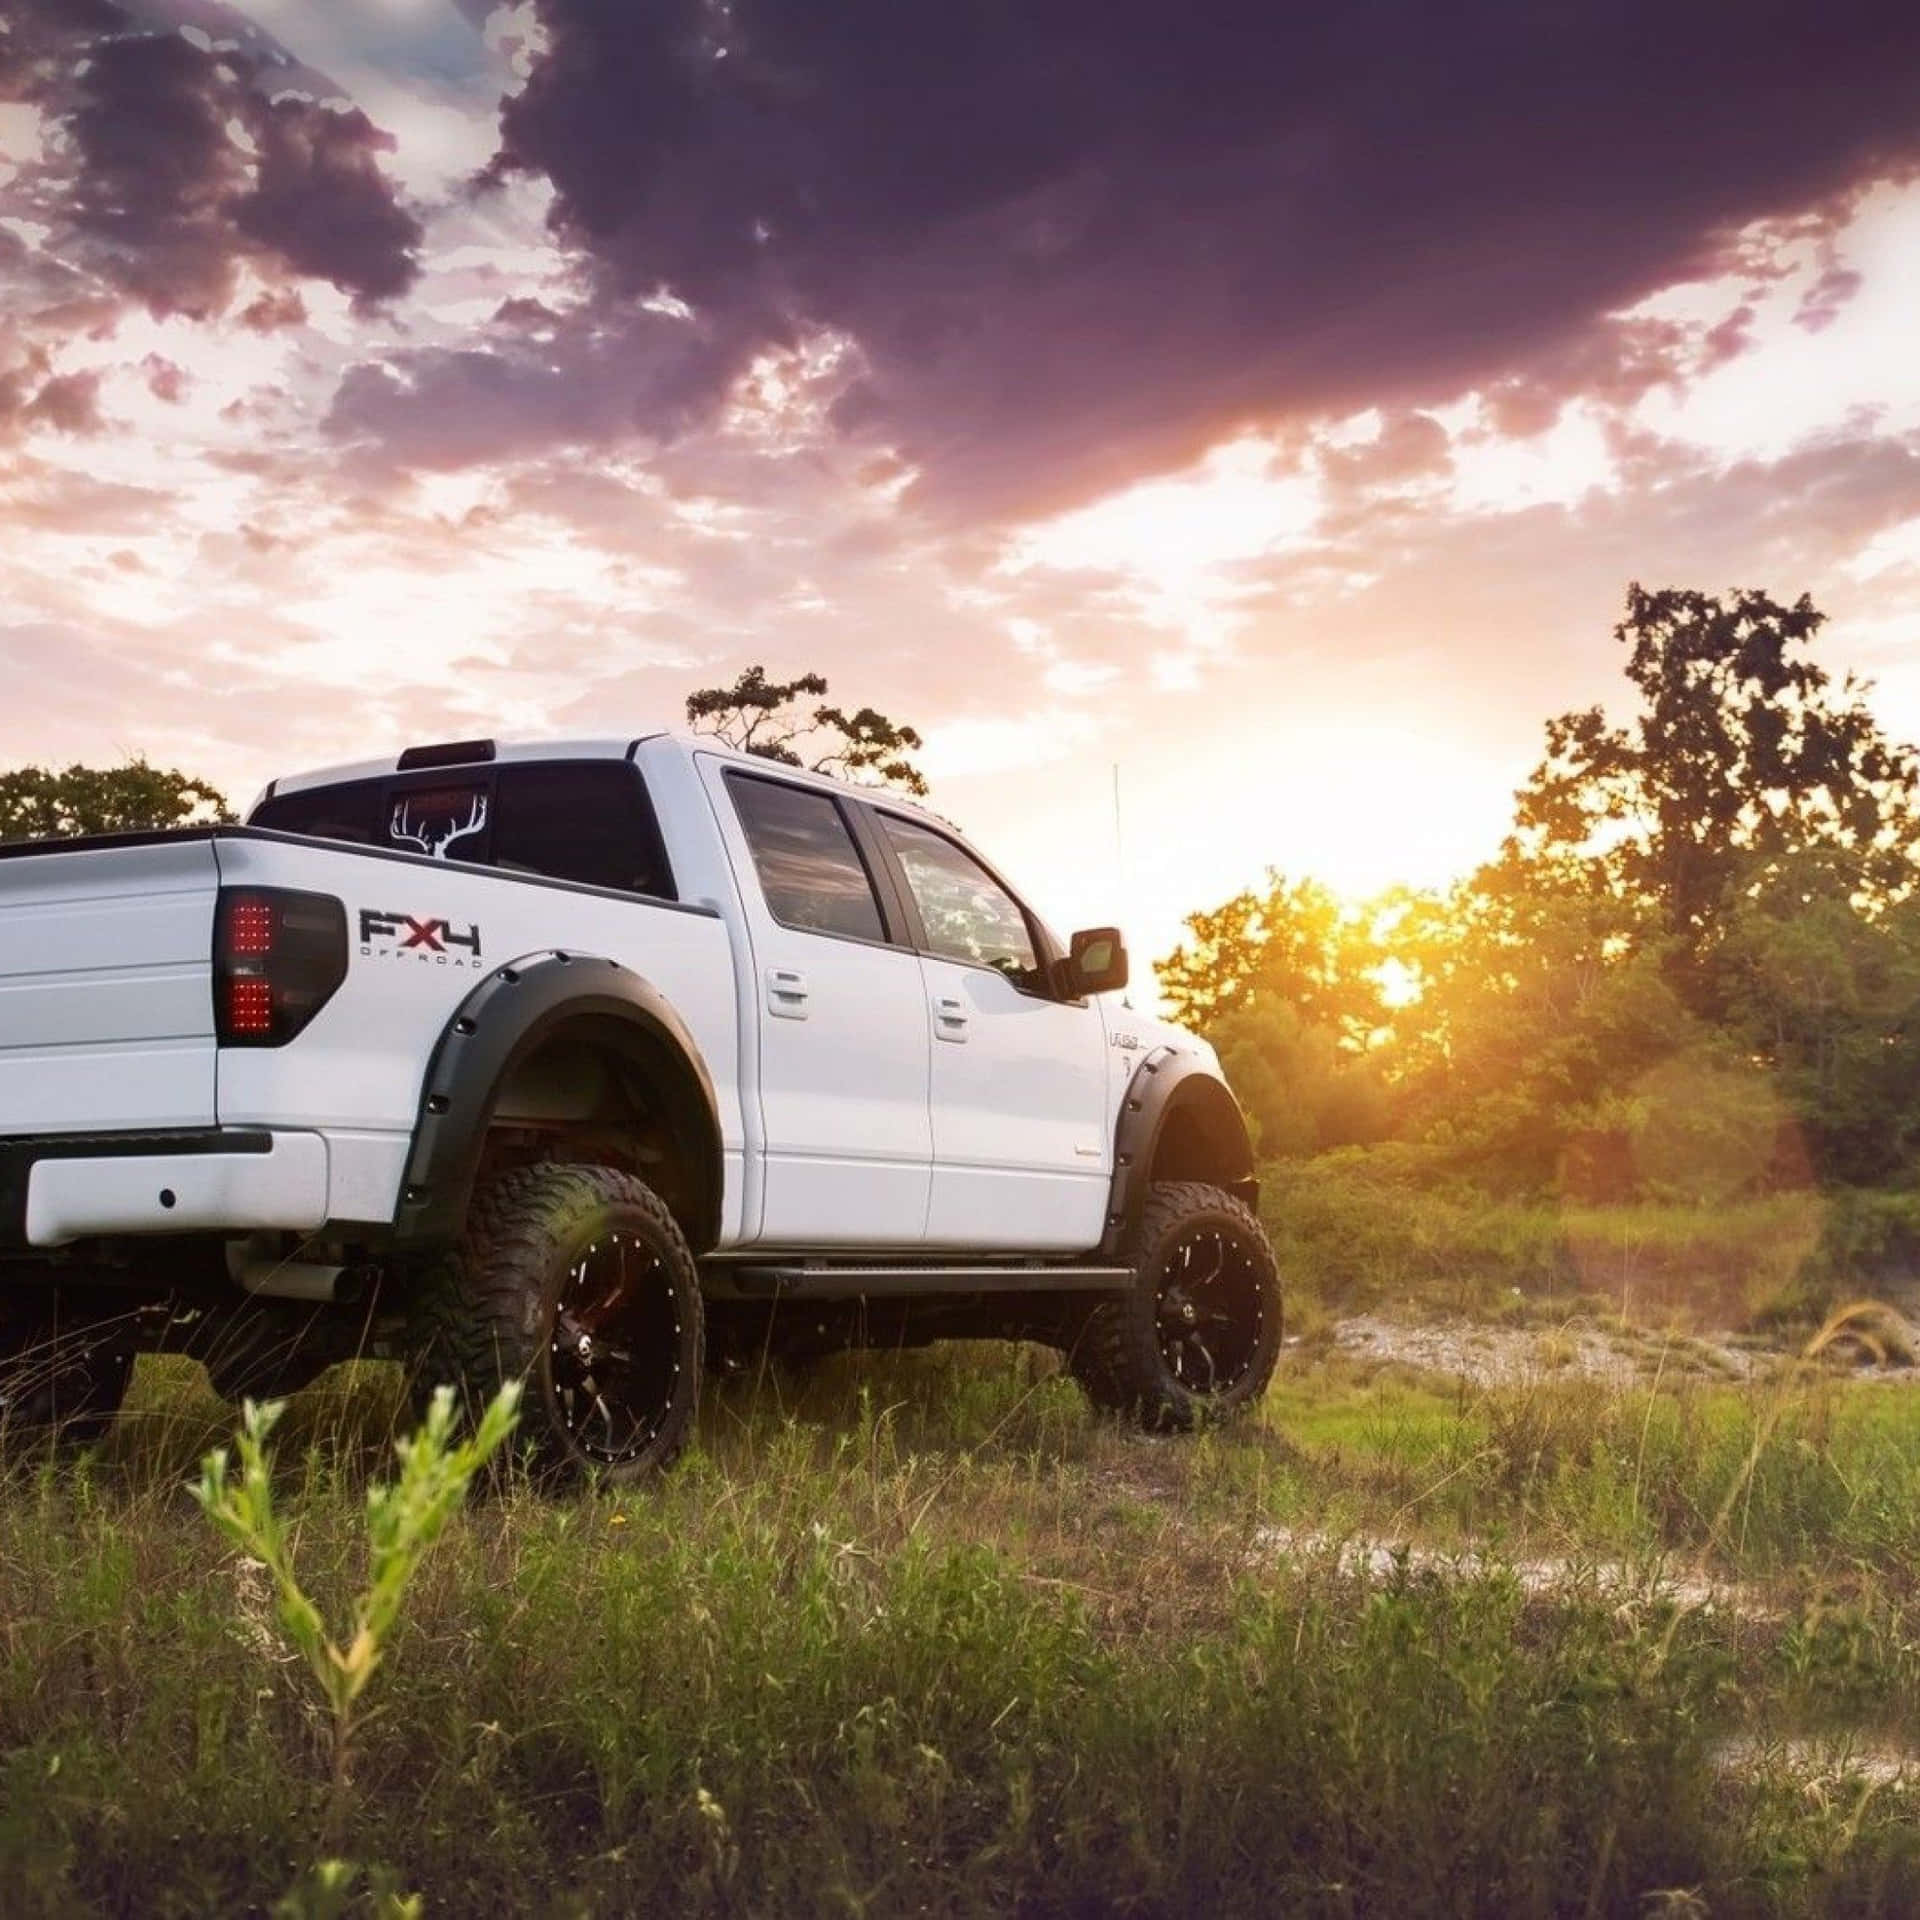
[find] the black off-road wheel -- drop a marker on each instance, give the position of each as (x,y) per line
(1195,1337)
(578,1282)
(63,1373)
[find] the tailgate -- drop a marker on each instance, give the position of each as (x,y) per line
(106,998)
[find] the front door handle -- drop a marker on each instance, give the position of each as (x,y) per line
(786,993)
(949,1017)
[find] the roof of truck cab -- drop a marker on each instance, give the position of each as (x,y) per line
(604,747)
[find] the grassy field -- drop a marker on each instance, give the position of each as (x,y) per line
(1362,1227)
(924,1637)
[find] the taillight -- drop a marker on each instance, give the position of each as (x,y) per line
(278,958)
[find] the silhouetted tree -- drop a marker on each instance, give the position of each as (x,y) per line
(1743,754)
(766,717)
(39,804)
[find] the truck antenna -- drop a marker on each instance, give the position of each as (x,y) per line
(1120,864)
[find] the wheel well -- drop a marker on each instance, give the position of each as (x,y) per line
(1204,1137)
(600,1091)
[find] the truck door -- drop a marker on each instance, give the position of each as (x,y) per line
(840,1008)
(1022,1153)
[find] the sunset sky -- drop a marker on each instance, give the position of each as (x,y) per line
(1273,401)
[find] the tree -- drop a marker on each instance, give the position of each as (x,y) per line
(38,804)
(1295,943)
(1303,1092)
(1826,992)
(1743,755)
(763,716)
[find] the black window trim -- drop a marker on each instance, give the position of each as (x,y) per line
(486,778)
(1045,945)
(886,899)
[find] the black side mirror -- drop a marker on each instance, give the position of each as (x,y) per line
(1096,962)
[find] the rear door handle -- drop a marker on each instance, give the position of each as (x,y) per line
(786,993)
(949,1017)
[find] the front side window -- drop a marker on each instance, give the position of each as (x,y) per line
(967,913)
(810,870)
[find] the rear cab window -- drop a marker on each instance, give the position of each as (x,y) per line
(811,873)
(587,822)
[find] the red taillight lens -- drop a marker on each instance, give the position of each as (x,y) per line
(278,958)
(249,924)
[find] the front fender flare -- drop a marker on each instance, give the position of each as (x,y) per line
(496,1027)
(1170,1086)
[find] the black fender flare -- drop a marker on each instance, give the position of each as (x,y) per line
(496,1027)
(1167,1085)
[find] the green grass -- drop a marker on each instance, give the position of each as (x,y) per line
(1359,1228)
(923,1637)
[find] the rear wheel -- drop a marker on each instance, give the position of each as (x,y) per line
(1197,1334)
(63,1371)
(577,1281)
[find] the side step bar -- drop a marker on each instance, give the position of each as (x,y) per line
(874,1283)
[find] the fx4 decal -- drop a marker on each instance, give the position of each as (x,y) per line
(399,936)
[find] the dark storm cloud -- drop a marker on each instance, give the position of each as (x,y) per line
(184,157)
(1079,236)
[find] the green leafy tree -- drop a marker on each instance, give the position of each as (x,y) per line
(1303,1092)
(1743,755)
(770,718)
(1294,944)
(39,804)
(1542,1000)
(1824,988)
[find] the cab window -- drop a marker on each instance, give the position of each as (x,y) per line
(586,821)
(811,873)
(968,915)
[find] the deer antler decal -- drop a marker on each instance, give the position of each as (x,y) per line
(433,832)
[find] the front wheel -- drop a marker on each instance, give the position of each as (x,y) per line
(1196,1335)
(578,1282)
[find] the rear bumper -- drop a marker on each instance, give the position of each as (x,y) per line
(59,1188)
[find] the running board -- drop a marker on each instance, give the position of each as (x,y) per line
(873,1283)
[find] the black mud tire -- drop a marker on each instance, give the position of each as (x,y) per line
(1195,1338)
(578,1282)
(63,1375)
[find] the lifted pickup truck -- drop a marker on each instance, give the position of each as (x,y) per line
(596,1065)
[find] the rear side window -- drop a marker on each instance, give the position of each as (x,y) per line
(810,870)
(587,821)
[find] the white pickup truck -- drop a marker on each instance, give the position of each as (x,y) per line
(593,1064)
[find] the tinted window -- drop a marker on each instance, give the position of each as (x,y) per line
(810,871)
(447,821)
(349,812)
(967,913)
(588,822)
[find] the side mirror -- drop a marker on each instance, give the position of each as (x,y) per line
(1096,962)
